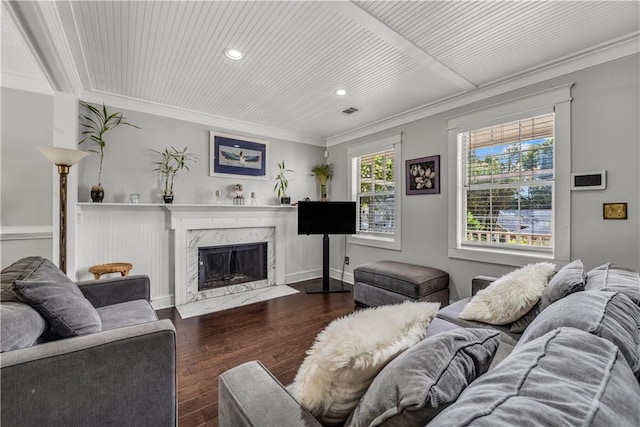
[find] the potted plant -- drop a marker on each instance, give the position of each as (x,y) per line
(96,125)
(171,161)
(281,184)
(323,172)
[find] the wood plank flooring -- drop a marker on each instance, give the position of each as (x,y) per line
(276,332)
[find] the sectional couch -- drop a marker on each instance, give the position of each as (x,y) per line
(86,354)
(576,362)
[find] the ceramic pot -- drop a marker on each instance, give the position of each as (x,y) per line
(97,194)
(168,199)
(286,200)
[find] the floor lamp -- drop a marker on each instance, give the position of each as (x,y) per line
(63,158)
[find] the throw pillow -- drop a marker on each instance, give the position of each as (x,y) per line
(615,278)
(19,270)
(609,315)
(564,378)
(348,354)
(509,297)
(59,300)
(421,382)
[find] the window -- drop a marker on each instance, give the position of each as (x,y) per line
(505,189)
(508,184)
(375,176)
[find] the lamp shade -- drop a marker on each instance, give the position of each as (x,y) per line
(62,156)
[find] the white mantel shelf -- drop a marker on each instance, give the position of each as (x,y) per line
(176,207)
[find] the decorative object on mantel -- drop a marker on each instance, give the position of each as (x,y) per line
(254,199)
(218,200)
(323,172)
(63,158)
(172,161)
(135,198)
(423,175)
(238,199)
(282,182)
(95,129)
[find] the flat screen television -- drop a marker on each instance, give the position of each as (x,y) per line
(326,217)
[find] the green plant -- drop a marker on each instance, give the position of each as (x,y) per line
(323,172)
(97,126)
(281,180)
(172,161)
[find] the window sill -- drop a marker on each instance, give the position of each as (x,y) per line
(377,242)
(493,256)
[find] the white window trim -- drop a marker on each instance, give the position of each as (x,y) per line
(556,99)
(393,141)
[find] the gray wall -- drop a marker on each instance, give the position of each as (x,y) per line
(605,135)
(128,164)
(26,177)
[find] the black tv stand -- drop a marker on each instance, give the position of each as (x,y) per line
(326,288)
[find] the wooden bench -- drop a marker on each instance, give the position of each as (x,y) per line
(114,267)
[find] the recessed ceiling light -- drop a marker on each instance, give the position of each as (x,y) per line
(234,54)
(341,92)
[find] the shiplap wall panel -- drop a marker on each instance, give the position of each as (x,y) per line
(136,234)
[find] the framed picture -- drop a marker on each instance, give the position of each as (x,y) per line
(230,156)
(423,175)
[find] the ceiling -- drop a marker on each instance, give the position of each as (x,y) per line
(391,57)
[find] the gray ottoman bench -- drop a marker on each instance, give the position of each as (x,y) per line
(392,282)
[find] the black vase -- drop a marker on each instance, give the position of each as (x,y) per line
(97,194)
(285,200)
(168,199)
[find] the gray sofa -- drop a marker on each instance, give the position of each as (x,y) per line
(116,368)
(576,363)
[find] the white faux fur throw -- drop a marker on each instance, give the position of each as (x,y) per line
(511,296)
(347,355)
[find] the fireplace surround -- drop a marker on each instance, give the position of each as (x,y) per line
(196,226)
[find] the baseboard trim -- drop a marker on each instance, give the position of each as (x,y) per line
(165,301)
(301,276)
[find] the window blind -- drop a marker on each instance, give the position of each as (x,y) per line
(376,192)
(509,182)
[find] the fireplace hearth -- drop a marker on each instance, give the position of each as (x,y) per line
(228,265)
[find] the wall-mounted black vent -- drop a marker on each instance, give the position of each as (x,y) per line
(350,110)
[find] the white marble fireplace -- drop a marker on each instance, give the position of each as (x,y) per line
(198,226)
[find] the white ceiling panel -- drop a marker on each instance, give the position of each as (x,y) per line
(489,41)
(390,56)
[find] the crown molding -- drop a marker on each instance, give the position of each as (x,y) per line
(40,26)
(28,232)
(626,46)
(217,122)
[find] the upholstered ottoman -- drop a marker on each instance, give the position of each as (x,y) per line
(391,282)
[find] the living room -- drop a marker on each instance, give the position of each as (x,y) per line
(590,78)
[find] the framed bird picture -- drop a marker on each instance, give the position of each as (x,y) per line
(230,156)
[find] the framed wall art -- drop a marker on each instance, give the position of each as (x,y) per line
(231,156)
(423,175)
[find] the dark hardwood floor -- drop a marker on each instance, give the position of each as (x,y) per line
(276,332)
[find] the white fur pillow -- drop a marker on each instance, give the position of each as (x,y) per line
(348,354)
(511,296)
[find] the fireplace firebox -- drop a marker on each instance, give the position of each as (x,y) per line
(220,266)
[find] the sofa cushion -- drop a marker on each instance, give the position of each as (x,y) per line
(610,315)
(615,278)
(19,270)
(20,326)
(510,297)
(58,299)
(451,314)
(567,377)
(126,314)
(350,351)
(422,381)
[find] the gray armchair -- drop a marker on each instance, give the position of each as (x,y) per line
(123,375)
